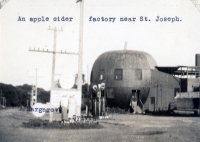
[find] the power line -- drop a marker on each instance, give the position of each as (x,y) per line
(54,53)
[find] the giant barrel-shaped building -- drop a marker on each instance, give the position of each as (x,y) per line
(128,73)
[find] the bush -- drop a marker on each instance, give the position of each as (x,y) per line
(38,123)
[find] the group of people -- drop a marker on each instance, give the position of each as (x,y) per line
(98,100)
(68,105)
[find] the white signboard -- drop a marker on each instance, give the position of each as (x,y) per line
(56,96)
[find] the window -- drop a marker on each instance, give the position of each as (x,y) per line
(101,75)
(152,100)
(118,74)
(138,74)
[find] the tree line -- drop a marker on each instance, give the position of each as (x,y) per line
(18,95)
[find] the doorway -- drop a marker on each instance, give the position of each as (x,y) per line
(136,95)
(135,101)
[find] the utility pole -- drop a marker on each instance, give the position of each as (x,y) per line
(53,69)
(80,58)
(53,62)
(35,92)
(54,54)
(87,112)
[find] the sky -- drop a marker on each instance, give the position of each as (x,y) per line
(169,43)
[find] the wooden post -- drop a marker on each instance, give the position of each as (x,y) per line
(80,47)
(80,56)
(54,59)
(53,71)
(87,111)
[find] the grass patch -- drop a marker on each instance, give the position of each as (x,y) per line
(22,109)
(38,123)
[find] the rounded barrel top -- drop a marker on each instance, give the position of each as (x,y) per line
(126,59)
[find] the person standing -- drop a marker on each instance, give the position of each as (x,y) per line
(72,108)
(133,104)
(64,105)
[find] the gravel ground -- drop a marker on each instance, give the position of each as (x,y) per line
(120,127)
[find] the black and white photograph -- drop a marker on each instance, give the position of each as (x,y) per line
(100,70)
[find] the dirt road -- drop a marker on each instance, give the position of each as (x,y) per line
(121,127)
